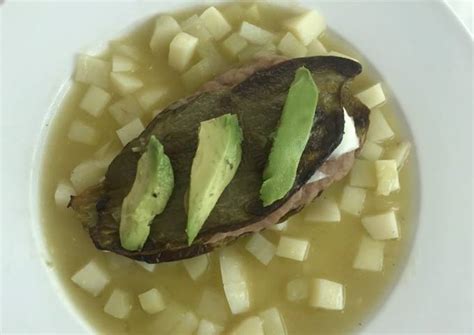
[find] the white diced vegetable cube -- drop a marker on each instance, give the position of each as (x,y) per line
(63,193)
(196,27)
(187,325)
(254,51)
(387,177)
(166,28)
(149,97)
(86,174)
(119,304)
(207,327)
(291,47)
(108,152)
(208,50)
(252,325)
(231,266)
(167,320)
(268,50)
(273,322)
(213,306)
(339,54)
(147,266)
(198,74)
(255,34)
(326,294)
(307,26)
(215,23)
(372,96)
(297,290)
(91,278)
(92,70)
(125,110)
(234,44)
(127,50)
(261,248)
(282,226)
(293,248)
(323,210)
(234,13)
(399,153)
(237,295)
(182,49)
(95,100)
(82,133)
(105,162)
(130,131)
(371,151)
(152,301)
(125,83)
(381,226)
(123,64)
(353,199)
(363,174)
(316,48)
(252,14)
(370,255)
(196,266)
(234,280)
(117,262)
(379,129)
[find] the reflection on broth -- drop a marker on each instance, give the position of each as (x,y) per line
(288,269)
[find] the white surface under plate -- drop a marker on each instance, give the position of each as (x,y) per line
(418,47)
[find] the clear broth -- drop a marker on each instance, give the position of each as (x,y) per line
(333,246)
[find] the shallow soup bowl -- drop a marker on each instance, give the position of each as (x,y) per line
(419,49)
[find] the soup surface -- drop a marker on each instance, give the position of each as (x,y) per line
(333,245)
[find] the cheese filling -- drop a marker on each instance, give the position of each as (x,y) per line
(349,142)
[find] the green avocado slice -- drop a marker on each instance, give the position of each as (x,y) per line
(153,185)
(292,134)
(216,161)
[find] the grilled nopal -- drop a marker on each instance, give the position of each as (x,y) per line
(258,103)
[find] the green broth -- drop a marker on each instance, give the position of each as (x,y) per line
(333,245)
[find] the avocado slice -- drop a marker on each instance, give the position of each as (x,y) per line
(292,134)
(216,161)
(153,185)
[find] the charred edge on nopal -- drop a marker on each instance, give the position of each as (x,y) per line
(326,135)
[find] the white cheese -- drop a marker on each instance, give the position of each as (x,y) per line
(318,175)
(350,141)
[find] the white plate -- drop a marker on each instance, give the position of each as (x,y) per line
(419,48)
